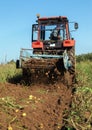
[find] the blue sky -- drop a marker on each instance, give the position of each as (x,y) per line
(17,16)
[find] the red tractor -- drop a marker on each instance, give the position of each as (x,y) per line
(53,48)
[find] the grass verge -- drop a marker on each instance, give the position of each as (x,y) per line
(80,116)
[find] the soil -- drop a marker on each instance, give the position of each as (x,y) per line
(34,107)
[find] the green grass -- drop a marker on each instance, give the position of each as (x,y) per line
(8,72)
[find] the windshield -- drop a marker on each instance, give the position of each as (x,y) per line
(48,32)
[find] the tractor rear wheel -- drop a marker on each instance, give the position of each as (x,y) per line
(71,53)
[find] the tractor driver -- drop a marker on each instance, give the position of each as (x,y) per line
(55,34)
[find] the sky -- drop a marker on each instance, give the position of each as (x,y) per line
(17,17)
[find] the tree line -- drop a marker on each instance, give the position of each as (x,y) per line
(84,57)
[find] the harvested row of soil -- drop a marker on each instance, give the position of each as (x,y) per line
(37,107)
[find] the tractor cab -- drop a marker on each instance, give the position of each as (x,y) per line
(51,33)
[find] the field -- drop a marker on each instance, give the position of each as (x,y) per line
(45,107)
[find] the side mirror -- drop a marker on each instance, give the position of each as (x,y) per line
(17,64)
(76,25)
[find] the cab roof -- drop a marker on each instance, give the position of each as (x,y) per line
(52,20)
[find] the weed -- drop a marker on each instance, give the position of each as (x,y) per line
(42,91)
